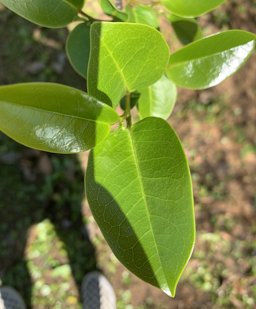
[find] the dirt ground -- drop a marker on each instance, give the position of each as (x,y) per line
(48,237)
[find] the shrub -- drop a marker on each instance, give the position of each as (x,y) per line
(138,181)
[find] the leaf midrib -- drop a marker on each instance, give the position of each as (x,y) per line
(136,161)
(119,69)
(54,112)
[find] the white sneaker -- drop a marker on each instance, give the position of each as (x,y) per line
(97,292)
(10,299)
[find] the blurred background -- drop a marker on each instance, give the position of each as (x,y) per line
(48,237)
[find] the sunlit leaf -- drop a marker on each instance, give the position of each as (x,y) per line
(53,117)
(207,62)
(139,190)
(143,14)
(191,8)
(158,99)
(124,57)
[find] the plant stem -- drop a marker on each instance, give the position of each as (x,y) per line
(128,110)
(88,17)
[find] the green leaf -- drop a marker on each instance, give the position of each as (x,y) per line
(54,118)
(207,62)
(77,3)
(78,48)
(143,14)
(187,30)
(47,13)
(134,98)
(124,57)
(109,9)
(158,99)
(191,8)
(139,189)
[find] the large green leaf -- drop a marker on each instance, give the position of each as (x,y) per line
(207,62)
(191,8)
(123,58)
(139,190)
(78,48)
(48,13)
(158,99)
(53,117)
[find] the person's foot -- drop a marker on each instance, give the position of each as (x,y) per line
(10,299)
(97,292)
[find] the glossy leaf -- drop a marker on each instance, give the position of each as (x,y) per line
(53,117)
(124,57)
(139,190)
(109,9)
(143,14)
(191,8)
(78,48)
(187,30)
(207,62)
(158,99)
(48,13)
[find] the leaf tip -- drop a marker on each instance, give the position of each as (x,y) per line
(170,290)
